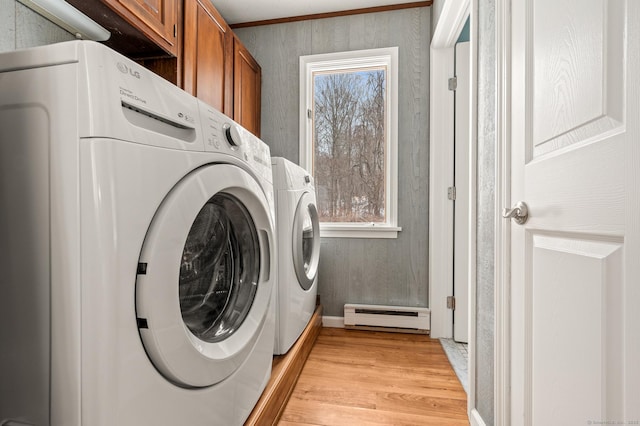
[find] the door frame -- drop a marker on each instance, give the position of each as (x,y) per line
(441,176)
(442,54)
(502,239)
(445,35)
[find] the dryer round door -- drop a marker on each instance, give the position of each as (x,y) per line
(306,241)
(203,286)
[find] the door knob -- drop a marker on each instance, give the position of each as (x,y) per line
(519,213)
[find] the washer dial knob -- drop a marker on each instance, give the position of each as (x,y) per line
(232,133)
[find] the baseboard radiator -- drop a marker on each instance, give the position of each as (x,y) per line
(400,319)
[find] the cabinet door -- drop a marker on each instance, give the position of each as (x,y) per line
(156,18)
(247,77)
(207,72)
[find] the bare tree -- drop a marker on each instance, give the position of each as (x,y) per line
(349,145)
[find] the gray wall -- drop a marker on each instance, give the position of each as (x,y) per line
(22,28)
(375,271)
(486,210)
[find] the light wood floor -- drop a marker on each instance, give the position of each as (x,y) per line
(374,378)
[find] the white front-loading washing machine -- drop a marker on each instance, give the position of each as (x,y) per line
(137,250)
(298,232)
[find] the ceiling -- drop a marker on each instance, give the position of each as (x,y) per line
(238,11)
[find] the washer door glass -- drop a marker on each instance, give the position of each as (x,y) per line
(219,270)
(306,241)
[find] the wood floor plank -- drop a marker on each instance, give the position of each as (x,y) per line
(286,423)
(333,415)
(313,388)
(418,404)
(377,375)
(338,394)
(394,364)
(400,356)
(375,378)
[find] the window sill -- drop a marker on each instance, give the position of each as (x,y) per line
(358,231)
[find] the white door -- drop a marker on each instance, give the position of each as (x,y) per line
(575,160)
(462,206)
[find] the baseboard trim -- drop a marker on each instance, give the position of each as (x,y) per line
(475,419)
(284,375)
(333,322)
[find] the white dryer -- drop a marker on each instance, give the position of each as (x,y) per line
(137,248)
(298,233)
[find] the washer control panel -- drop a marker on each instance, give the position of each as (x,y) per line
(222,134)
(212,127)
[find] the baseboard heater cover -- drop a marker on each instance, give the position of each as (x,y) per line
(392,318)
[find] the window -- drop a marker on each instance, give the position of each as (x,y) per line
(348,140)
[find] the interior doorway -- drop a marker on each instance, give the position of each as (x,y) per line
(453,17)
(462,203)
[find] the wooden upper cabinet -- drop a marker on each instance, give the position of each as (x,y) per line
(157,18)
(247,78)
(139,28)
(207,55)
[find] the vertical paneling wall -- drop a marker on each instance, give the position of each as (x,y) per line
(485,274)
(375,271)
(20,28)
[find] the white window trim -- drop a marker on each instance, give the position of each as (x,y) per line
(387,57)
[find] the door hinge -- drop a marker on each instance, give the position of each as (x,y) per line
(453,83)
(309,113)
(451,193)
(451,302)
